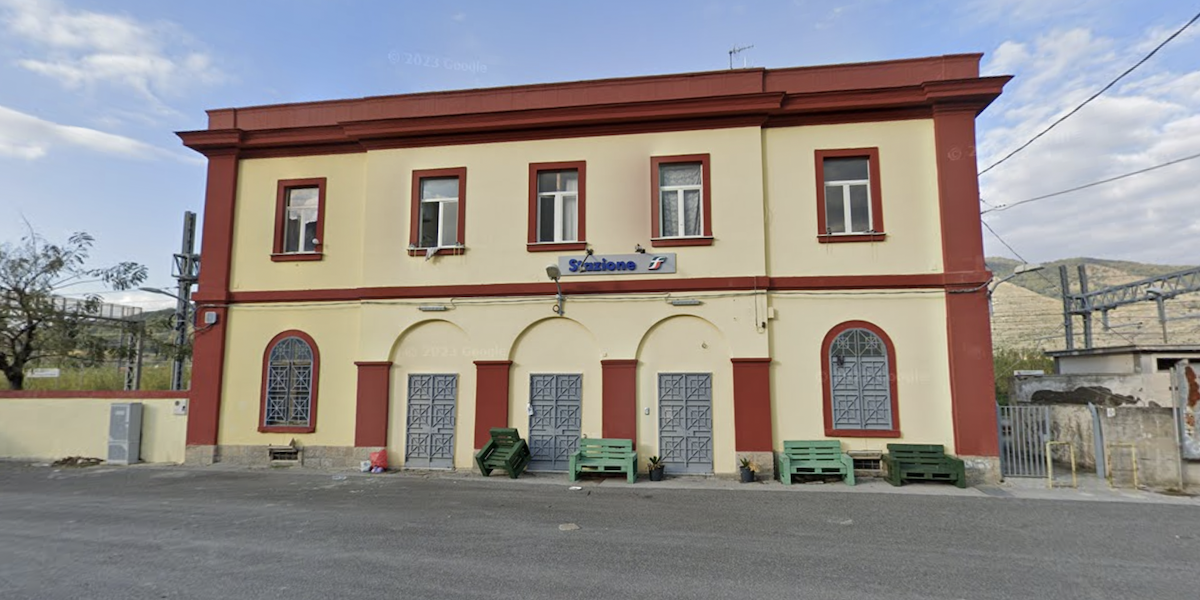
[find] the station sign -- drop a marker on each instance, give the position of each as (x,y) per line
(650,263)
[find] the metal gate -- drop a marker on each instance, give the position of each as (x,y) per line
(430,430)
(554,402)
(685,421)
(1024,431)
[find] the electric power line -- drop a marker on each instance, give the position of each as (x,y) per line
(1096,95)
(1003,207)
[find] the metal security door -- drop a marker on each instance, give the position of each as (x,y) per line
(1024,431)
(554,422)
(685,421)
(430,437)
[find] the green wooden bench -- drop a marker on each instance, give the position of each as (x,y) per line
(506,450)
(923,462)
(599,455)
(822,457)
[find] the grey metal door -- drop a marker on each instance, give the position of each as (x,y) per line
(685,421)
(554,423)
(859,381)
(1024,431)
(430,433)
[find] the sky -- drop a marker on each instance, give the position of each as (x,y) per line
(91,94)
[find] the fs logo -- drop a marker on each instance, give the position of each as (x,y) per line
(656,263)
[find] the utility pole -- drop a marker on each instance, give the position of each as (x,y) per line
(187,272)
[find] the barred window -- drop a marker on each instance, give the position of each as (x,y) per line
(859,366)
(291,383)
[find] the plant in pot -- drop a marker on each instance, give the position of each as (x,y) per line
(748,469)
(656,468)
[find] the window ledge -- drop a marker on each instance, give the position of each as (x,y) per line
(863,433)
(837,238)
(286,429)
(704,240)
(440,252)
(554,246)
(297,256)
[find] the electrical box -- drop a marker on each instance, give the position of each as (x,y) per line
(125,433)
(180,407)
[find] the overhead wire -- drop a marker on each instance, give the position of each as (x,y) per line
(1096,95)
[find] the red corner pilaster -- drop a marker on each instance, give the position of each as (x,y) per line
(619,388)
(972,390)
(208,349)
(371,413)
(491,398)
(752,404)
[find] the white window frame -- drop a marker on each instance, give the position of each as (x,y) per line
(300,228)
(846,184)
(558,209)
(679,214)
(441,219)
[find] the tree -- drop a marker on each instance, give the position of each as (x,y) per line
(36,321)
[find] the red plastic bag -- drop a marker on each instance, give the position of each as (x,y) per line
(379,459)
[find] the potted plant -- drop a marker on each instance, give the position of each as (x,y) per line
(656,468)
(748,469)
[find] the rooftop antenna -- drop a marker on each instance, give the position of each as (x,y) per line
(738,50)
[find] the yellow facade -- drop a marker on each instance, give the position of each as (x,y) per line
(53,428)
(759,228)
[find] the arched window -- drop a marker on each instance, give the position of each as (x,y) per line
(858,367)
(290,368)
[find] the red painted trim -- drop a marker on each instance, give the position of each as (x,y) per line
(574,286)
(852,237)
(297,257)
(752,405)
(208,344)
(314,385)
(95,394)
(619,394)
(968,328)
(371,410)
(656,238)
(414,234)
(680,242)
(827,393)
(556,247)
(581,198)
(281,193)
(876,187)
(491,398)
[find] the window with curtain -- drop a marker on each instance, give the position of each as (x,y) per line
(848,195)
(680,189)
(439,212)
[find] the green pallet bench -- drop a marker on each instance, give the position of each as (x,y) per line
(923,462)
(600,455)
(818,457)
(506,451)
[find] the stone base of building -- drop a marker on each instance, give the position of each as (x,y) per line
(199,456)
(765,461)
(320,457)
(982,470)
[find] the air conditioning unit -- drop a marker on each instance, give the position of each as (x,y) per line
(125,433)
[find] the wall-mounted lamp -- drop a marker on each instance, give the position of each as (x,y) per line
(433,308)
(554,274)
(684,302)
(639,249)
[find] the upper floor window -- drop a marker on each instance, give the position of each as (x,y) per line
(849,203)
(682,211)
(858,364)
(299,219)
(439,210)
(290,384)
(557,209)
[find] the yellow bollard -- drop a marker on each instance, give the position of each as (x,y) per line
(1108,448)
(1050,464)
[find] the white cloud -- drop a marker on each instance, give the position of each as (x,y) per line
(1148,119)
(147,301)
(84,48)
(1029,10)
(27,137)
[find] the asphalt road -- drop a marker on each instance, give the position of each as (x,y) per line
(136,533)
